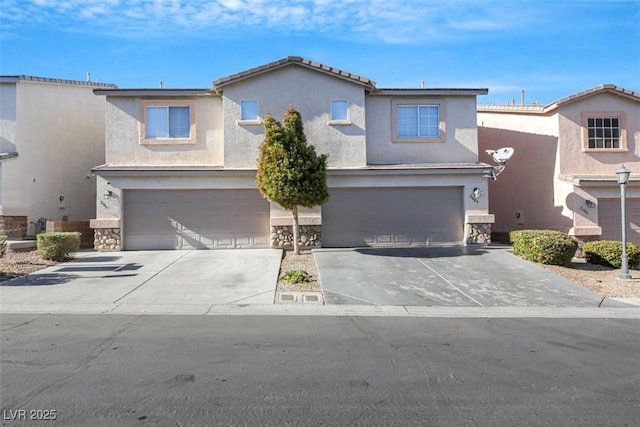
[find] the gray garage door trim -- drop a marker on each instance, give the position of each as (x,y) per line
(195,219)
(395,216)
(609,218)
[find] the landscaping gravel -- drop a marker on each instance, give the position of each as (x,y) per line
(16,263)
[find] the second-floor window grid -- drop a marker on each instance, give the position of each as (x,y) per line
(249,110)
(168,122)
(418,121)
(339,110)
(604,132)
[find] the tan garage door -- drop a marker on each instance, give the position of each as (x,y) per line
(195,219)
(393,217)
(609,219)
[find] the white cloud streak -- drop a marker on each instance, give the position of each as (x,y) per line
(401,22)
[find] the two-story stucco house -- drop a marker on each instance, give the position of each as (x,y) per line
(51,136)
(181,163)
(563,173)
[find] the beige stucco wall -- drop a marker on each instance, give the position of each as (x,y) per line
(124,125)
(460,144)
(58,131)
(310,92)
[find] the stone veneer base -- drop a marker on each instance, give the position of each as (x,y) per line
(282,236)
(107,239)
(479,233)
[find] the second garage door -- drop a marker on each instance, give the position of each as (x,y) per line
(393,217)
(195,219)
(610,220)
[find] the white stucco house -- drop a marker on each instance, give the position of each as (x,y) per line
(51,135)
(563,173)
(180,164)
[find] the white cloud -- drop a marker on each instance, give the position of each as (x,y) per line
(374,20)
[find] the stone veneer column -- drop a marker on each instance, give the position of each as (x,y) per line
(479,229)
(107,235)
(310,232)
(282,236)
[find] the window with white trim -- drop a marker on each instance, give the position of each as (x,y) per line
(164,122)
(418,121)
(603,132)
(249,109)
(167,121)
(339,109)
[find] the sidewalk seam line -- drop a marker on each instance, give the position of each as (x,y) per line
(349,296)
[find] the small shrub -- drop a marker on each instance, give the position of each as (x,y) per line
(544,246)
(609,253)
(3,244)
(57,246)
(297,276)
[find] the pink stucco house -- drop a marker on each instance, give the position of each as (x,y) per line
(563,173)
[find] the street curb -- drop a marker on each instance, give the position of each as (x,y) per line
(326,310)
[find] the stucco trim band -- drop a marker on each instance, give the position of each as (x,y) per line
(105,223)
(481,219)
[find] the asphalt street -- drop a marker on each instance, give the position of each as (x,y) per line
(121,370)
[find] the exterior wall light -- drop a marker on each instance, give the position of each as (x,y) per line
(476,194)
(590,203)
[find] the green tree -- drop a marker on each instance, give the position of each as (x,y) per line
(290,172)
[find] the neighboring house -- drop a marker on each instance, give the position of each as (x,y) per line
(181,163)
(51,135)
(563,173)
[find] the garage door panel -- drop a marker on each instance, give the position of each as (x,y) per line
(610,219)
(393,217)
(195,219)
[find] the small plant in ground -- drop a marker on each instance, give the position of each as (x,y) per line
(297,276)
(544,246)
(57,246)
(609,253)
(3,244)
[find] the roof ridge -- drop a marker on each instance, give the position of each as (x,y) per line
(293,60)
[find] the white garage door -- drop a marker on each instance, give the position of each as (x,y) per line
(195,219)
(609,219)
(393,217)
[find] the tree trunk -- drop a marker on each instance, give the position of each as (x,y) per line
(294,212)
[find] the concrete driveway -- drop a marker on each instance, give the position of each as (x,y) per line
(193,279)
(444,276)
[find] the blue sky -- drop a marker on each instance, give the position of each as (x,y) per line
(549,48)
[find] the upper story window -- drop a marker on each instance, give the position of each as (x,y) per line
(417,121)
(168,122)
(604,131)
(339,110)
(249,110)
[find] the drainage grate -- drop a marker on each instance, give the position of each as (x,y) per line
(299,297)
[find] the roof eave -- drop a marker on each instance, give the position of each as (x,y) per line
(155,93)
(430,91)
